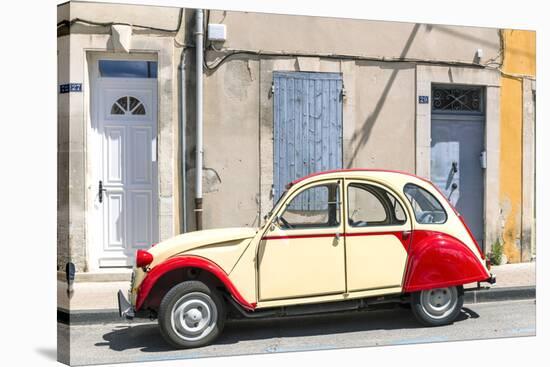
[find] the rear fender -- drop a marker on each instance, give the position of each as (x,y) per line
(438,260)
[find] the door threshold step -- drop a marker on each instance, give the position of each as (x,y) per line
(108,275)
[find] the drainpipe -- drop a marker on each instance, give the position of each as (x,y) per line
(198,161)
(183,127)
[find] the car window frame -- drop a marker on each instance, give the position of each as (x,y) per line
(284,206)
(387,189)
(433,196)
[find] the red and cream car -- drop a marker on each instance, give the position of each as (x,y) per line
(337,240)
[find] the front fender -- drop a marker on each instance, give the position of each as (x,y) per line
(438,260)
(185,261)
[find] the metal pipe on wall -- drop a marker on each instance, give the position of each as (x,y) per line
(183,127)
(199,24)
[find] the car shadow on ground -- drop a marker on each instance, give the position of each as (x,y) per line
(147,337)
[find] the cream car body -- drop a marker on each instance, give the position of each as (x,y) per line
(278,265)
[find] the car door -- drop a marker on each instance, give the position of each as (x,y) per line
(302,252)
(377,235)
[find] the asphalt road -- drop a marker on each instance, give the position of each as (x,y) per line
(133,341)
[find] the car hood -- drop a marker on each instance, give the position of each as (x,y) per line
(194,240)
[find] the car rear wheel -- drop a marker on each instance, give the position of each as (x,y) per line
(438,306)
(191,315)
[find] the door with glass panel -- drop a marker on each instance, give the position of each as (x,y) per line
(377,237)
(125,172)
(458,156)
(302,254)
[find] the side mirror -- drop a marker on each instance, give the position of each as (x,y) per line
(275,223)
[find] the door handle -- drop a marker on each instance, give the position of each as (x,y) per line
(100,191)
(454,166)
(454,186)
(405,235)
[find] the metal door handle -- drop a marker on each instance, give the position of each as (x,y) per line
(455,166)
(454,186)
(100,191)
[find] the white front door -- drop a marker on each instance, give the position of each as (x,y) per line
(125,169)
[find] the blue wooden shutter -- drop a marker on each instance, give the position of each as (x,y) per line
(307,130)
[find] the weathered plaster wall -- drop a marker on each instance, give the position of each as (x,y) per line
(238,129)
(510,158)
(231,154)
(63,217)
(519,62)
(383,126)
(379,108)
(322,35)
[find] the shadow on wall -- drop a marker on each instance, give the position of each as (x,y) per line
(359,139)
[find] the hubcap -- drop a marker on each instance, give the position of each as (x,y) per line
(194,316)
(439,303)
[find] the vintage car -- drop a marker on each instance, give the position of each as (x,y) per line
(336,240)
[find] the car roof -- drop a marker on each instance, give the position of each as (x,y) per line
(354,172)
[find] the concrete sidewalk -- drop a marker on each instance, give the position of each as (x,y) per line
(97,301)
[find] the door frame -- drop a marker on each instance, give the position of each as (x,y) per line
(94,225)
(377,230)
(426,75)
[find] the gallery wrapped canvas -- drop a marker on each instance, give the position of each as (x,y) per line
(227,179)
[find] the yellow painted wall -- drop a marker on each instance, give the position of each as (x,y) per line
(519,60)
(519,52)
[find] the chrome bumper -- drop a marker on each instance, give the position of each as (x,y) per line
(125,309)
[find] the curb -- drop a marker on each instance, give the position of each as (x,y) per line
(500,294)
(84,317)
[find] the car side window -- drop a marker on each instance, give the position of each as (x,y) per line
(314,207)
(427,209)
(370,205)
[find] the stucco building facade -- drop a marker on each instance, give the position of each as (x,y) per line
(283,96)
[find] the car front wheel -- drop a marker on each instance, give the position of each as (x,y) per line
(439,306)
(191,315)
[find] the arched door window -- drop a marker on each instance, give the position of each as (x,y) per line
(128,105)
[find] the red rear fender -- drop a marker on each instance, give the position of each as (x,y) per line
(438,260)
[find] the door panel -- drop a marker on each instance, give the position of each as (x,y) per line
(301,267)
(460,140)
(141,202)
(126,128)
(115,226)
(114,150)
(141,138)
(377,237)
(307,261)
(375,260)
